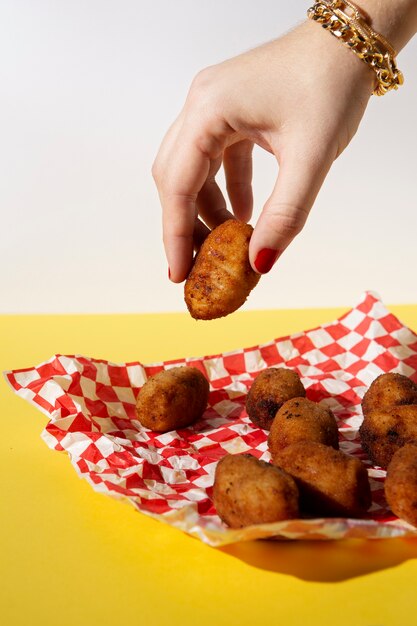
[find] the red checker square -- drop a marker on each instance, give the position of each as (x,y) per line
(66,405)
(413,346)
(49,370)
(75,387)
(97,408)
(367,304)
(151,472)
(303,344)
(80,424)
(387,341)
(255,438)
(89,369)
(198,364)
(106,393)
(82,466)
(390,323)
(221,382)
(43,403)
(337,331)
(364,325)
(155,506)
(295,362)
(118,376)
(329,365)
(387,362)
(361,347)
(270,355)
(332,349)
(96,478)
(92,454)
(411,361)
(234,364)
(222,434)
(357,366)
(206,507)
(151,370)
(134,481)
(121,460)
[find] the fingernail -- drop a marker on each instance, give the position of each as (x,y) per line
(265,259)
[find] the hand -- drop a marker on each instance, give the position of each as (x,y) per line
(301,98)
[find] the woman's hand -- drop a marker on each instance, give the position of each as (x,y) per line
(301,98)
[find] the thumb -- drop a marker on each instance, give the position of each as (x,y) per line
(286,210)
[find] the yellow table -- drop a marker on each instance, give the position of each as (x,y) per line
(70,556)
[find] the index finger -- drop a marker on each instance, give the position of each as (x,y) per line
(185,172)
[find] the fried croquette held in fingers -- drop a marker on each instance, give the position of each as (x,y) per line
(330,482)
(172,399)
(270,389)
(401,484)
(221,278)
(247,491)
(300,419)
(383,432)
(389,390)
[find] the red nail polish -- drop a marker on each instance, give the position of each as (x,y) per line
(265,259)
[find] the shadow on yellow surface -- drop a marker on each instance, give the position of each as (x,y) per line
(325,561)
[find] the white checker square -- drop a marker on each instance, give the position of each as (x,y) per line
(286,350)
(334,386)
(375,330)
(254,361)
(320,337)
(350,340)
(105,445)
(404,336)
(215,369)
(25,378)
(125,394)
(353,319)
(69,365)
(88,387)
(136,375)
(51,391)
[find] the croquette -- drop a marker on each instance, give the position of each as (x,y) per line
(247,491)
(221,277)
(300,419)
(401,484)
(172,399)
(270,389)
(330,482)
(384,432)
(389,390)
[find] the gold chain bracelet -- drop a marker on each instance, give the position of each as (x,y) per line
(345,21)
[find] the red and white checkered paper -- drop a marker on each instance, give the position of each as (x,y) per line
(90,404)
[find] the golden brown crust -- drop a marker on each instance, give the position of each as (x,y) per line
(247,491)
(300,419)
(221,277)
(401,484)
(172,399)
(330,482)
(382,432)
(270,389)
(389,390)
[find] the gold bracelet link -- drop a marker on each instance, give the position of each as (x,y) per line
(344,21)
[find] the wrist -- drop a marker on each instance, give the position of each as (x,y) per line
(396,20)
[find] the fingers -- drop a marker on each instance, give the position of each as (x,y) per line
(237,163)
(180,177)
(301,175)
(211,203)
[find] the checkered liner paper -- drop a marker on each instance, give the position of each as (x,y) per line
(90,404)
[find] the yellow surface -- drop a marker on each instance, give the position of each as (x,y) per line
(70,556)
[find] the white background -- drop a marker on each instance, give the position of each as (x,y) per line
(87,90)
